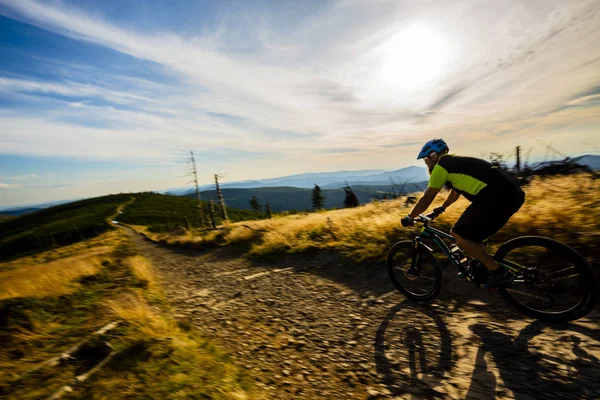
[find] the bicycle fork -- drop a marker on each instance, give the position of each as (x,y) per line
(416,257)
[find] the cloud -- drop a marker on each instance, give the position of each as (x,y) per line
(61,185)
(401,144)
(24,177)
(585,100)
(446,98)
(68,89)
(320,75)
(341,150)
(5,186)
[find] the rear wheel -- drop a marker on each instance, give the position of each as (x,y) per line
(414,271)
(553,281)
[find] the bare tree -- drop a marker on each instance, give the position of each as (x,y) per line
(198,201)
(221,199)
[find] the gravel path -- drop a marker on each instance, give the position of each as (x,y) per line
(314,328)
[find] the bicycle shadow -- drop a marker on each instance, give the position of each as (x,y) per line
(414,342)
(528,374)
(414,354)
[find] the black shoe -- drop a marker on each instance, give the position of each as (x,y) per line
(498,278)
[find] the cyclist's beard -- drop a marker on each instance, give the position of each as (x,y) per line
(430,167)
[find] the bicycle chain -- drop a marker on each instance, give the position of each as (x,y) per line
(528,294)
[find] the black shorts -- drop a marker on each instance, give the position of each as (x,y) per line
(488,213)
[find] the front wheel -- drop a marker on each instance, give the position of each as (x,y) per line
(553,281)
(414,271)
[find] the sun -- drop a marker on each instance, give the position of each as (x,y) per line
(413,58)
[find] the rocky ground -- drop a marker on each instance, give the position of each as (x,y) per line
(315,328)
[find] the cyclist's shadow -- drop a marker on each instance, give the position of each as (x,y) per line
(413,352)
(410,342)
(529,374)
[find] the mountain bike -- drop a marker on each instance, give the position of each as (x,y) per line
(553,282)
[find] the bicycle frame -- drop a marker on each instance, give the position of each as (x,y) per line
(436,235)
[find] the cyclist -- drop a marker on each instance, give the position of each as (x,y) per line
(495,196)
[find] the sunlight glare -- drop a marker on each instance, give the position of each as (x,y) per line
(413,58)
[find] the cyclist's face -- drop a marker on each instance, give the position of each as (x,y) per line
(431,160)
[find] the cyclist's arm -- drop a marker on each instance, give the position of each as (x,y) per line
(424,202)
(452,197)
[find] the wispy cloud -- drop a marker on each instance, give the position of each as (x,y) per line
(58,185)
(585,100)
(20,177)
(68,89)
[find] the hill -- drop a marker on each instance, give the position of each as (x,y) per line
(164,213)
(20,211)
(58,226)
(299,199)
(4,217)
(591,161)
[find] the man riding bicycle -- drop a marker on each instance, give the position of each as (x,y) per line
(495,196)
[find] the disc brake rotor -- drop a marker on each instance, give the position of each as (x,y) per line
(406,269)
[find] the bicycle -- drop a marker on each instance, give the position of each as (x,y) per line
(545,270)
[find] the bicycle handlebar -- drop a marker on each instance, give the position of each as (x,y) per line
(425,218)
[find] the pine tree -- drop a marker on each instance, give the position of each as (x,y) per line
(351,200)
(268,210)
(317,197)
(255,205)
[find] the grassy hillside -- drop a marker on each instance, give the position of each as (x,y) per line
(4,218)
(20,211)
(58,226)
(53,300)
(165,213)
(565,208)
(299,199)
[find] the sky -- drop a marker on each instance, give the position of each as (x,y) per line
(111,96)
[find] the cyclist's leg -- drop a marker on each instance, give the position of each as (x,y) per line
(481,219)
(469,232)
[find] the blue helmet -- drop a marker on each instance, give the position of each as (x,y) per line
(437,145)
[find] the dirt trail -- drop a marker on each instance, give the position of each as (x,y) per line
(311,328)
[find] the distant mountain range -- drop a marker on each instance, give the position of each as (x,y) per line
(591,161)
(328,180)
(288,198)
(16,211)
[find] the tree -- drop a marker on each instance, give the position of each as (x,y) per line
(351,200)
(317,197)
(268,210)
(497,160)
(211,209)
(255,204)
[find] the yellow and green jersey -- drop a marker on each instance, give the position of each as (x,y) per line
(467,175)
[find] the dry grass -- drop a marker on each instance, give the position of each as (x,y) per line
(565,208)
(49,310)
(35,276)
(144,271)
(133,308)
